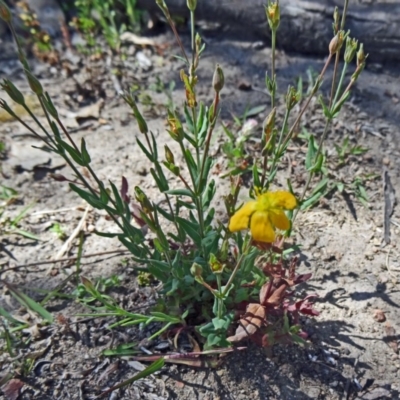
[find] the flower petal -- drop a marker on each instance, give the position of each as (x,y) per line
(279,220)
(261,228)
(281,199)
(240,220)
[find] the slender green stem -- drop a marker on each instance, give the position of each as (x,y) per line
(346,4)
(236,269)
(34,132)
(39,123)
(178,39)
(279,149)
(163,329)
(311,174)
(192,33)
(183,150)
(171,211)
(197,198)
(340,84)
(273,56)
(208,139)
(342,23)
(219,299)
(195,133)
(335,69)
(313,92)
(199,207)
(93,174)
(349,86)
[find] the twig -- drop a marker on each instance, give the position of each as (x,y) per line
(395,223)
(74,234)
(389,198)
(101,253)
(60,210)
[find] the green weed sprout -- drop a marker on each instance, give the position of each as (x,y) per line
(208,271)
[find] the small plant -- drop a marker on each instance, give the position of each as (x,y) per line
(331,180)
(37,38)
(344,151)
(96,16)
(225,284)
(10,226)
(58,230)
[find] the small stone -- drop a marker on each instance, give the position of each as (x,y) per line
(385,161)
(379,316)
(244,85)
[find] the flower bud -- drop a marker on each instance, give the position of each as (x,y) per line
(336,43)
(361,56)
(189,83)
(136,113)
(218,79)
(163,6)
(196,270)
(273,15)
(5,12)
(350,51)
(34,83)
(191,4)
(13,92)
(198,42)
(269,124)
(292,97)
(336,21)
(168,155)
(143,200)
(216,266)
(175,127)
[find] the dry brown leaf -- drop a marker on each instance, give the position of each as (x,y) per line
(138,40)
(277,295)
(250,322)
(11,389)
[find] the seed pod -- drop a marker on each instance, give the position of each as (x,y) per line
(5,13)
(218,79)
(34,83)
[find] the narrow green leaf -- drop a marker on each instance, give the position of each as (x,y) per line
(145,151)
(88,197)
(325,108)
(29,303)
(76,156)
(255,111)
(191,229)
(310,153)
(191,164)
(5,314)
(256,176)
(118,200)
(85,154)
(209,194)
(22,214)
(26,234)
(151,369)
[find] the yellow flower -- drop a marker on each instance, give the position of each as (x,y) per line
(264,215)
